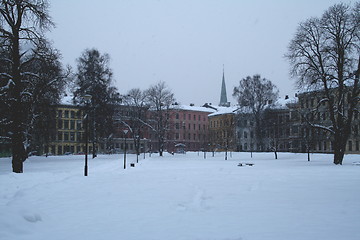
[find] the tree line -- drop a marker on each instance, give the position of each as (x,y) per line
(324,55)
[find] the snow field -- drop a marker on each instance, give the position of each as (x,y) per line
(181,197)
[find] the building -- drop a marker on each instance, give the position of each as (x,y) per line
(222,129)
(278,128)
(70,131)
(314,110)
(188,127)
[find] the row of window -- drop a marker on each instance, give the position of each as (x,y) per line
(59,150)
(70,136)
(220,123)
(195,137)
(191,116)
(70,124)
(177,126)
(69,114)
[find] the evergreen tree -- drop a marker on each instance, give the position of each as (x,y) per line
(94,77)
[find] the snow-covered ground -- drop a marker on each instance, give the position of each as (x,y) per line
(181,197)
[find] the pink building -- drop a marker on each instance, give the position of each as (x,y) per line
(189,127)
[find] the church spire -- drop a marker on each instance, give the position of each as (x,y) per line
(223,96)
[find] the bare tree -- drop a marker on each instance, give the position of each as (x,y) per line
(325,56)
(160,99)
(254,94)
(137,120)
(22,24)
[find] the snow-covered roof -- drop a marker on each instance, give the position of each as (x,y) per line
(194,108)
(67,99)
(283,103)
(224,110)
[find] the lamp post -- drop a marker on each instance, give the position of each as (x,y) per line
(144,147)
(87,98)
(137,148)
(125,132)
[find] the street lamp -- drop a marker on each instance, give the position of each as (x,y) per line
(137,148)
(144,147)
(125,132)
(87,98)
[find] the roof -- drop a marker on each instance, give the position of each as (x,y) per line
(225,110)
(194,108)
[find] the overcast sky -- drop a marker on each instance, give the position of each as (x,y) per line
(184,43)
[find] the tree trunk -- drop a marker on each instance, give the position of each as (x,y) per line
(18,112)
(339,148)
(18,153)
(339,151)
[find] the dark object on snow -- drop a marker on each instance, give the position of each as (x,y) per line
(132,164)
(245,164)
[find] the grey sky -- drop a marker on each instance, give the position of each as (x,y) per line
(184,42)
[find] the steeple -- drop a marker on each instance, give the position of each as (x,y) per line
(223,96)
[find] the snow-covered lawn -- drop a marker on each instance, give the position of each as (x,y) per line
(181,197)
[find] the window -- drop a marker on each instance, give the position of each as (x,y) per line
(72,114)
(72,136)
(356,130)
(66,124)
(245,134)
(78,125)
(177,126)
(72,124)
(66,114)
(357,145)
(66,136)
(177,116)
(60,138)
(78,136)
(60,114)
(59,150)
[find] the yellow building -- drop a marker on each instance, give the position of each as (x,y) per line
(222,129)
(70,131)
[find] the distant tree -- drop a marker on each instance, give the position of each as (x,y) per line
(254,94)
(325,56)
(94,77)
(136,100)
(22,24)
(160,99)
